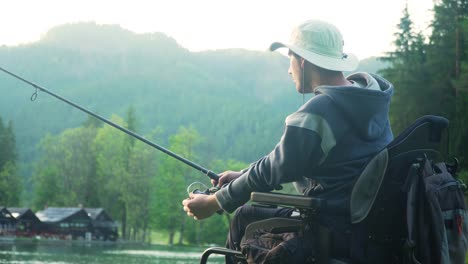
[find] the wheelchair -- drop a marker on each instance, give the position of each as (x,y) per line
(377,203)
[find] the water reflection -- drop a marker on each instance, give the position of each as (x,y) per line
(60,252)
(157,253)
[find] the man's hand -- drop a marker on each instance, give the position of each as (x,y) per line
(227,177)
(200,206)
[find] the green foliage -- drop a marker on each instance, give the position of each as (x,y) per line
(10,185)
(140,189)
(68,165)
(98,167)
(463,175)
(47,188)
(235,97)
(430,78)
(230,164)
(172,181)
(7,144)
(460,124)
(213,230)
(408,73)
(10,181)
(111,150)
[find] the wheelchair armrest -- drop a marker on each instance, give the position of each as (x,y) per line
(221,251)
(296,201)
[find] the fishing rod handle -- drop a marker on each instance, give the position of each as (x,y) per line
(212,175)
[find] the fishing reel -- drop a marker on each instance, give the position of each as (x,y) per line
(200,188)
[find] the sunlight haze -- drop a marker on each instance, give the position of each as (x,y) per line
(367,25)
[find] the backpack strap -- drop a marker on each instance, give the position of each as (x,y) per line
(413,187)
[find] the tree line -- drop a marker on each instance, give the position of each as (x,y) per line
(10,182)
(96,165)
(430,74)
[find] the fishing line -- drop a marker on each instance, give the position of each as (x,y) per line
(205,171)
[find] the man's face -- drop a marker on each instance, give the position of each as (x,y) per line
(295,70)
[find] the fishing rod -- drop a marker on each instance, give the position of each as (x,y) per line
(192,164)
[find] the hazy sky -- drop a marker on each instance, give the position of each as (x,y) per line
(367,25)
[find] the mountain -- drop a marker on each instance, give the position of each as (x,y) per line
(236,99)
(372,65)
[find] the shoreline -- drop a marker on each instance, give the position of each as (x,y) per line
(12,239)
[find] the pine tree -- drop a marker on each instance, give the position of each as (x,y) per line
(449,64)
(10,182)
(408,73)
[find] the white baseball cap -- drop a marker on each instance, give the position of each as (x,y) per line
(320,43)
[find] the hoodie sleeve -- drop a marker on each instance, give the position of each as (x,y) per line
(305,143)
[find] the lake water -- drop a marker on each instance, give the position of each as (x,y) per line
(58,252)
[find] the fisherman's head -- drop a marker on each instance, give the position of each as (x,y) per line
(315,47)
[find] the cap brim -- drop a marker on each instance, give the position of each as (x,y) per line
(346,63)
(276,45)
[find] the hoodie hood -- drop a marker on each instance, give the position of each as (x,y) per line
(365,103)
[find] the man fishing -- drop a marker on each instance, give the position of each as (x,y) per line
(325,144)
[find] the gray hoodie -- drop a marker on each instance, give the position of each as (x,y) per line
(328,140)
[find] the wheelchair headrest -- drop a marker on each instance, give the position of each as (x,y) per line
(434,125)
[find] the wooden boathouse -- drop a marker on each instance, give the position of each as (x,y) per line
(104,227)
(7,222)
(27,223)
(66,223)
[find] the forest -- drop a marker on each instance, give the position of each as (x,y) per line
(222,109)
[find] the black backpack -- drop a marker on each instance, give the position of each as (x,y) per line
(437,216)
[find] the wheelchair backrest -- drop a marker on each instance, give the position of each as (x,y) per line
(378,200)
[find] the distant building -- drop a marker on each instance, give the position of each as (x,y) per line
(7,222)
(104,227)
(72,223)
(27,223)
(58,223)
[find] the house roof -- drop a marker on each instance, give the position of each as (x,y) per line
(99,215)
(23,213)
(57,214)
(94,212)
(17,212)
(5,213)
